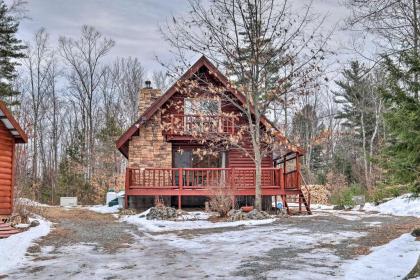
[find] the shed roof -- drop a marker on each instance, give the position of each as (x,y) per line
(12,125)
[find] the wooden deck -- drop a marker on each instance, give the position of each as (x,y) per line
(205,181)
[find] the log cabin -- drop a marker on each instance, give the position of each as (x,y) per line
(10,134)
(161,148)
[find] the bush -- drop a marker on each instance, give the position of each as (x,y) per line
(343,196)
(221,200)
(416,232)
(382,192)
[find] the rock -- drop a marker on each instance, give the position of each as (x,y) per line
(34,223)
(339,207)
(416,232)
(238,215)
(233,212)
(128,212)
(161,213)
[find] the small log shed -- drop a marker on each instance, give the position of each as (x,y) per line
(10,134)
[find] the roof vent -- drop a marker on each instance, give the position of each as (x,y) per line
(148,84)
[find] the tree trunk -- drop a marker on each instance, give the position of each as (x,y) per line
(362,122)
(258,172)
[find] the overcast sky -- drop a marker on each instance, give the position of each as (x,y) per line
(133,24)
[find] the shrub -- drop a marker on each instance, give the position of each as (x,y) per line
(416,232)
(221,200)
(343,196)
(382,192)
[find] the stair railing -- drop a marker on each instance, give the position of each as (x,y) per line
(307,190)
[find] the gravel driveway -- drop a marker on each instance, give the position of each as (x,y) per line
(86,245)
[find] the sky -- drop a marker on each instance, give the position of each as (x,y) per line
(134,24)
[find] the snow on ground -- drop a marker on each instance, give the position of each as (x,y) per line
(404,205)
(29,202)
(390,261)
(13,248)
(184,224)
(104,209)
(321,207)
(211,252)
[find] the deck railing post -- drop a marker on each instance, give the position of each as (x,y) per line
(180,175)
(127,186)
(297,171)
(281,179)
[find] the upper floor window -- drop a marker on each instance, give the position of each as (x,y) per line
(201,106)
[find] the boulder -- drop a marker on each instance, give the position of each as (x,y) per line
(238,215)
(161,213)
(416,232)
(34,223)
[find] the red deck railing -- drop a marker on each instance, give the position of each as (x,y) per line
(205,181)
(201,124)
(200,181)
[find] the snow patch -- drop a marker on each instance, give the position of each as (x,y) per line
(192,220)
(29,202)
(390,261)
(404,205)
(104,209)
(13,248)
(321,207)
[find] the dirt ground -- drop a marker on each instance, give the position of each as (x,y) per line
(85,244)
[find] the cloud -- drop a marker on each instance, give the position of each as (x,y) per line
(134,24)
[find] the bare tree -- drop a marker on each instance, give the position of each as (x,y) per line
(38,63)
(266,49)
(127,75)
(161,80)
(395,23)
(84,57)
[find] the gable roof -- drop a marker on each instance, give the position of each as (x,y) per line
(122,142)
(12,125)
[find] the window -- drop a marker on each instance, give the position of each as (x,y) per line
(201,106)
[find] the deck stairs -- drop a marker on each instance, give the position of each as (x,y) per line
(6,230)
(295,201)
(295,198)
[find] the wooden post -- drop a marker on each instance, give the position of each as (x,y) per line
(297,171)
(284,171)
(281,179)
(231,185)
(127,186)
(300,204)
(179,187)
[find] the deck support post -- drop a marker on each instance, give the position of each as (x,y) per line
(127,186)
(300,204)
(297,171)
(275,204)
(179,187)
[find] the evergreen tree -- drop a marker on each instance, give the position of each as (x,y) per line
(353,98)
(307,132)
(10,50)
(401,155)
(360,107)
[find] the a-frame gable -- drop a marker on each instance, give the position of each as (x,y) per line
(122,142)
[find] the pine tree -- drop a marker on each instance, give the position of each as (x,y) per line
(401,155)
(11,49)
(358,96)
